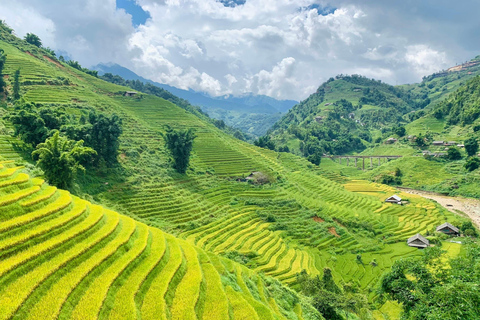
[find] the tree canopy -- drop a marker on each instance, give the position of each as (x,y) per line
(16,85)
(429,291)
(33,39)
(471,146)
(180,144)
(60,159)
(3,58)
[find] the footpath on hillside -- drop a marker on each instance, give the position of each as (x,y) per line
(471,207)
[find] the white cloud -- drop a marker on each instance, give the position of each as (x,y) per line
(424,60)
(272,47)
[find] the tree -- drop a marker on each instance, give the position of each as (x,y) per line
(33,39)
(265,142)
(104,136)
(29,126)
(471,146)
(454,154)
(420,141)
(472,163)
(431,288)
(16,85)
(60,158)
(3,58)
(180,144)
(399,131)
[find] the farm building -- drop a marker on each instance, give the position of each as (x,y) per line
(319,119)
(438,143)
(418,241)
(449,229)
(394,199)
(451,143)
(130,93)
(440,154)
(391,140)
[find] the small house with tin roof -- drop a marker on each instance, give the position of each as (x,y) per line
(438,143)
(394,199)
(130,93)
(418,241)
(449,229)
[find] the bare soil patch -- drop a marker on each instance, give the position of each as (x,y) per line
(471,207)
(53,61)
(318,219)
(333,231)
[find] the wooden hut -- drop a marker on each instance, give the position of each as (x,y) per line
(449,229)
(418,241)
(130,93)
(394,199)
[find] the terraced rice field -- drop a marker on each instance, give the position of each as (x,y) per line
(64,258)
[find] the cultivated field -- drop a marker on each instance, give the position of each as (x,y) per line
(64,258)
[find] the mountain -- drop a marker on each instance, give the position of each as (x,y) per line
(252,114)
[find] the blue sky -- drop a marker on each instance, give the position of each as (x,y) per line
(138,15)
(280,48)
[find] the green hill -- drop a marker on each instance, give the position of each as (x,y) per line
(439,85)
(300,218)
(344,115)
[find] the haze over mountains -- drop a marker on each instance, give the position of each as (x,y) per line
(250,113)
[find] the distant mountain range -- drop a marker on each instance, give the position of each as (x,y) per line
(248,103)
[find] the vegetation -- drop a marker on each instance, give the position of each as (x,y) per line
(3,58)
(33,39)
(60,159)
(180,144)
(471,146)
(65,258)
(472,164)
(16,85)
(429,290)
(34,123)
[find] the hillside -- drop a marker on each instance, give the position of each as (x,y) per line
(344,115)
(252,114)
(301,218)
(439,85)
(65,258)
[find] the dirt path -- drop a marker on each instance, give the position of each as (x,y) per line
(470,207)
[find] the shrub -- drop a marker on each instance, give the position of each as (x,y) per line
(472,163)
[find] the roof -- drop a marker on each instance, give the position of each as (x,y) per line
(131,92)
(448,225)
(437,142)
(394,197)
(418,236)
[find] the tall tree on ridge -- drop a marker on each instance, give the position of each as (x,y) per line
(3,58)
(16,85)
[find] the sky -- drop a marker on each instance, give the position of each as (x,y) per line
(281,48)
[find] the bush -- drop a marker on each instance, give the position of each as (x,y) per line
(454,154)
(472,163)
